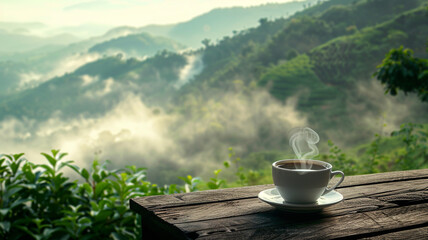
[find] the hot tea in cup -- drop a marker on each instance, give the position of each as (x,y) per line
(303,181)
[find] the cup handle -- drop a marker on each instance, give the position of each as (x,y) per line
(327,190)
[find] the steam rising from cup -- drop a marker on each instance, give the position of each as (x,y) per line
(303,141)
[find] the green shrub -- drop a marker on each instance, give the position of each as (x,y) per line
(405,149)
(415,152)
(38,202)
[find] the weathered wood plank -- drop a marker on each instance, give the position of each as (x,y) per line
(384,177)
(225,211)
(384,189)
(367,198)
(199,197)
(249,206)
(154,227)
(374,204)
(252,191)
(274,225)
(417,234)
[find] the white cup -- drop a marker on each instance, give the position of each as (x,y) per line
(303,185)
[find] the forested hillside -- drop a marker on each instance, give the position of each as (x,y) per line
(324,57)
(95,87)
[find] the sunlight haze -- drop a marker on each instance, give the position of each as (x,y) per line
(113,12)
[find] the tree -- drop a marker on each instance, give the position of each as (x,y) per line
(206,42)
(401,71)
(292,53)
(263,21)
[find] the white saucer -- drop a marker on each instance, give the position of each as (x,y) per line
(272,197)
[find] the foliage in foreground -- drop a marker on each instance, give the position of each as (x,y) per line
(405,149)
(37,201)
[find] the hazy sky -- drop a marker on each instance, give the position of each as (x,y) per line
(112,12)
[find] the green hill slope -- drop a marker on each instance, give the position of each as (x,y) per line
(344,60)
(354,56)
(96,87)
(323,58)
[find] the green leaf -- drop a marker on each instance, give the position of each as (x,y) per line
(103,215)
(25,229)
(226,164)
(185,180)
(15,165)
(212,185)
(84,173)
(87,188)
(121,209)
(38,174)
(5,225)
(96,177)
(62,155)
(133,168)
(29,173)
(104,174)
(11,190)
(63,164)
(18,156)
(47,232)
(50,171)
(100,187)
(95,164)
(94,206)
(51,160)
(54,152)
(117,236)
(216,172)
(19,202)
(116,186)
(4,211)
(124,176)
(84,220)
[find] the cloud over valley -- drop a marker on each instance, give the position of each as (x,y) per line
(133,133)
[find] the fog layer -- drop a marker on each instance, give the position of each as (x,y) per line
(167,143)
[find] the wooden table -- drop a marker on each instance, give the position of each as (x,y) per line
(390,205)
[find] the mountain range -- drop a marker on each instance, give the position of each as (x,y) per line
(323,52)
(27,60)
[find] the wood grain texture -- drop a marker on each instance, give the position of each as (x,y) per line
(291,226)
(370,197)
(208,196)
(347,207)
(384,177)
(375,205)
(249,192)
(416,233)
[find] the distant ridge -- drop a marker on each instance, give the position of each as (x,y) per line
(137,45)
(220,22)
